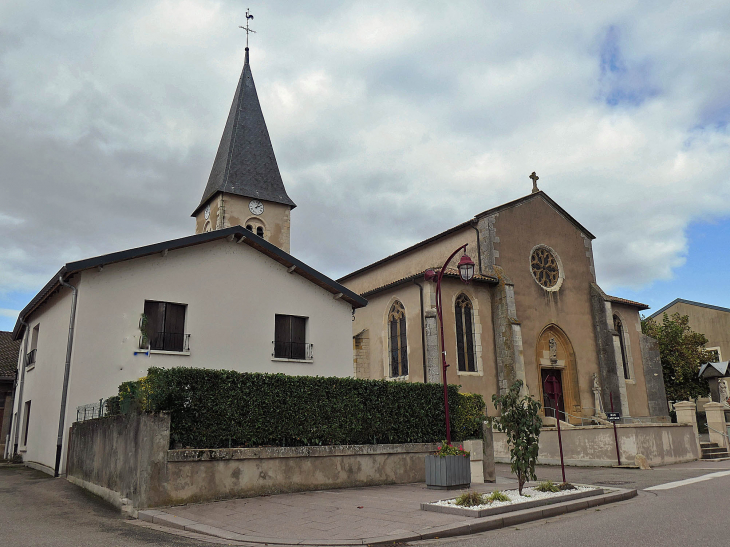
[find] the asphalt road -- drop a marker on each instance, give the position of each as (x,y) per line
(693,514)
(38,510)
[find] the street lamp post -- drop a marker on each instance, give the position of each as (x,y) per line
(466,272)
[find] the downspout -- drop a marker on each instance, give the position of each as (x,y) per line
(66,372)
(23,364)
(479,247)
(423,333)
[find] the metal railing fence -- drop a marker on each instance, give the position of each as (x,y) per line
(165,341)
(293,350)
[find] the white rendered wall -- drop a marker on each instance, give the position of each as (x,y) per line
(232,292)
(43,383)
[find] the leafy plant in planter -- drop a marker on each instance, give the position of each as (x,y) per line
(520,420)
(449,467)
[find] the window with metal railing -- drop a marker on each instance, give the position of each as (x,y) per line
(290,334)
(30,358)
(163,327)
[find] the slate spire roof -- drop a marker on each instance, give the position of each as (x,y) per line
(245,163)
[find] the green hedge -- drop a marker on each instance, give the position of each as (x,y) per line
(222,408)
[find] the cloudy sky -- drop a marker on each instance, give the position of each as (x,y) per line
(391,121)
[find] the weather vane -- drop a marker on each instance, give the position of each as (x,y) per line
(248,30)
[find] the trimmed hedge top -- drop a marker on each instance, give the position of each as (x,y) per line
(223,408)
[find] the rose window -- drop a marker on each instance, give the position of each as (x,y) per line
(545,267)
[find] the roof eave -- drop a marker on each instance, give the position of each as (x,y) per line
(251,239)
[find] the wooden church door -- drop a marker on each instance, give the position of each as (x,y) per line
(552,392)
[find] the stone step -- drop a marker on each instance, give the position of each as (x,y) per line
(715,455)
(713,450)
(709,445)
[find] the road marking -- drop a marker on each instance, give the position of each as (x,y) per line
(675,484)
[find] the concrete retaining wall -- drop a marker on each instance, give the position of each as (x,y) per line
(125,459)
(661,444)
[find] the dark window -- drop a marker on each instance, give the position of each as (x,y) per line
(464,334)
(26,421)
(398,340)
(165,326)
(31,357)
(249,227)
(618,326)
(290,338)
(260,231)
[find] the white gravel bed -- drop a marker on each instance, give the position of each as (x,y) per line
(528,494)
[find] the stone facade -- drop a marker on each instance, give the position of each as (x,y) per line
(535,286)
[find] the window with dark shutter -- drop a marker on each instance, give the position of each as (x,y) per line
(164,327)
(290,338)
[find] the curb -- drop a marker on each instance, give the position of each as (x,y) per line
(478,513)
(471,526)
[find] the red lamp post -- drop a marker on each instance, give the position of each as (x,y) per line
(466,272)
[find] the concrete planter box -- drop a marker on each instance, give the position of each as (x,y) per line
(448,472)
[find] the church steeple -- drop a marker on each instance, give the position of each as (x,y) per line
(245,167)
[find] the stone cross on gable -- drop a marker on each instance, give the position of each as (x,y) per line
(534,178)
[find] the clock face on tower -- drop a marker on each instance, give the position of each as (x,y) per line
(256,207)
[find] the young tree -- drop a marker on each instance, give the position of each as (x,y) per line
(682,353)
(520,420)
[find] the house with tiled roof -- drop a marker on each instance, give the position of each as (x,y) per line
(229,297)
(532,312)
(712,321)
(9,349)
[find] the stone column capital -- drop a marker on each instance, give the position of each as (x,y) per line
(685,405)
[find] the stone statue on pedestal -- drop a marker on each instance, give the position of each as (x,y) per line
(598,405)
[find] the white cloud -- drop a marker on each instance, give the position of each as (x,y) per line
(390,122)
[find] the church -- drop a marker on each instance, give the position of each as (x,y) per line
(229,297)
(532,312)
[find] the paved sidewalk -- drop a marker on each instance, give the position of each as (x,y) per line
(329,515)
(351,516)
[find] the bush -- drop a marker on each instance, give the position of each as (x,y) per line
(470,499)
(468,416)
(221,408)
(566,486)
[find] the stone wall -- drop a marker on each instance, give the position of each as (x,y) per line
(654,377)
(204,475)
(125,460)
(361,351)
(661,444)
(120,458)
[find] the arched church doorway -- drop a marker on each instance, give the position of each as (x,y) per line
(558,375)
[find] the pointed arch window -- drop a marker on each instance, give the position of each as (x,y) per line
(397,339)
(465,334)
(619,327)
